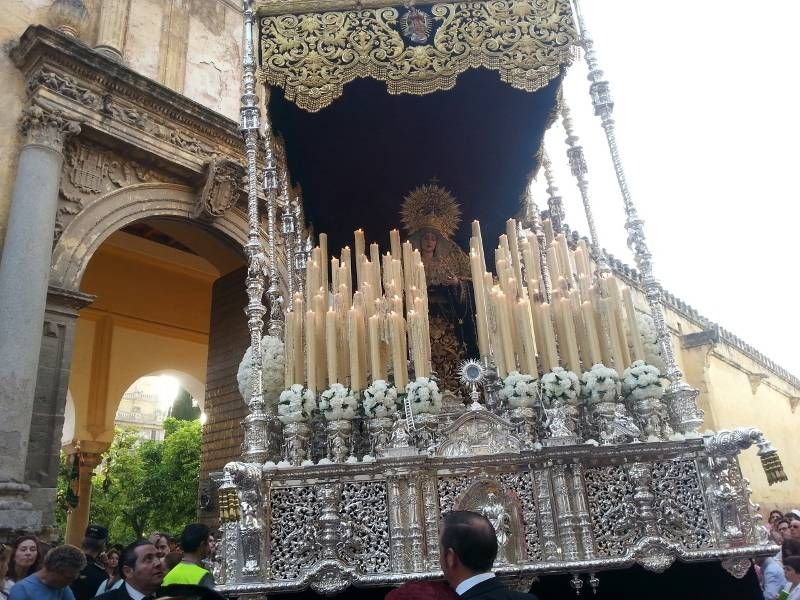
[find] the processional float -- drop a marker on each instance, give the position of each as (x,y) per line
(576,436)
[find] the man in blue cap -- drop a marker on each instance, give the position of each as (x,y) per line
(94,573)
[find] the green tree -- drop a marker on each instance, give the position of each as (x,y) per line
(183,407)
(145,486)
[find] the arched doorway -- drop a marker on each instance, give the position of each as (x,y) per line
(152,273)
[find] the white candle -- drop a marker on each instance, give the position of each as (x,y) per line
(355,363)
(480,302)
(323,262)
(394,244)
(513,246)
(376,362)
(633,325)
(311,352)
(476,233)
(398,342)
(595,355)
(525,324)
(331,347)
(549,351)
(569,343)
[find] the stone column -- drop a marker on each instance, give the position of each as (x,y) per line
(47,423)
(24,272)
(112,28)
(78,517)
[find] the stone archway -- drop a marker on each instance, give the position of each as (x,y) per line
(113,211)
(79,242)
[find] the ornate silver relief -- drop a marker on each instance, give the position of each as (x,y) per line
(293,537)
(680,509)
(363,508)
(615,521)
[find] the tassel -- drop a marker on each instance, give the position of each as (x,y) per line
(773,468)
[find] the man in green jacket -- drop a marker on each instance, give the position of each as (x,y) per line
(194,542)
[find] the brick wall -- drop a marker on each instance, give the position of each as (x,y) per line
(227,341)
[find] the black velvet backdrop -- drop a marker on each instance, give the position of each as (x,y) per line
(359,157)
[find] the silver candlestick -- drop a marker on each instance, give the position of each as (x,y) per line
(256,424)
(579,169)
(685,416)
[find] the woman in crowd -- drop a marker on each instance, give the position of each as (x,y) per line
(773,518)
(26,559)
(113,569)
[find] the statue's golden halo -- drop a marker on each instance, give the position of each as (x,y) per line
(430,206)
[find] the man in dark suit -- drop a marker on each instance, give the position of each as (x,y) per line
(467,549)
(142,571)
(94,573)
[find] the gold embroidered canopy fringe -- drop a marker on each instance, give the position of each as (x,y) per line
(313,55)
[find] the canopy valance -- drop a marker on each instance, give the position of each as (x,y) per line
(416,49)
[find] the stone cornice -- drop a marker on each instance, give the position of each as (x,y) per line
(108,97)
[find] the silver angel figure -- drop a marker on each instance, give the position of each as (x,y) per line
(501,521)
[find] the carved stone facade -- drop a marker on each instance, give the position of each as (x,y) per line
(131,149)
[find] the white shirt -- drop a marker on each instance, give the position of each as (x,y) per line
(133,592)
(469,583)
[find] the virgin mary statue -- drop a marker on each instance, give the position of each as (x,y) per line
(430,217)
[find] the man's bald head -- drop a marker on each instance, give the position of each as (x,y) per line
(473,539)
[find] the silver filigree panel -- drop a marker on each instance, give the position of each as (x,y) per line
(681,511)
(613,512)
(451,488)
(295,512)
(363,508)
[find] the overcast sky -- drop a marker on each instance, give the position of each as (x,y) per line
(708,118)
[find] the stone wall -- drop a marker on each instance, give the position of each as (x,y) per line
(225,409)
(191,46)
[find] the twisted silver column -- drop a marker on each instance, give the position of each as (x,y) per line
(685,416)
(275,323)
(579,169)
(255,424)
(535,223)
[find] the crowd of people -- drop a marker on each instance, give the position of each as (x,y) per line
(780,574)
(160,566)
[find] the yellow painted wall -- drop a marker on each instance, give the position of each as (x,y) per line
(149,316)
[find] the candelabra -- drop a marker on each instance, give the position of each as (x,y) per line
(288,231)
(256,423)
(579,169)
(535,223)
(554,203)
(686,417)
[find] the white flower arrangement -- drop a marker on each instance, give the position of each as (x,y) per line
(519,390)
(652,349)
(560,385)
(601,384)
(380,399)
(338,402)
(640,381)
(273,361)
(296,404)
(424,395)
